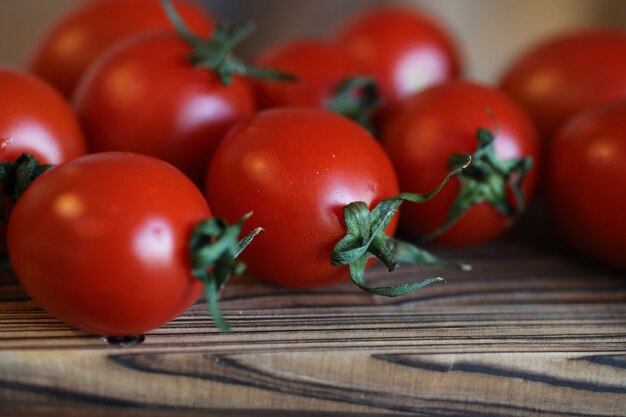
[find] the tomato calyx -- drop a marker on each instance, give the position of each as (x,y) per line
(365,238)
(16,176)
(213,250)
(216,53)
(356,98)
(486,180)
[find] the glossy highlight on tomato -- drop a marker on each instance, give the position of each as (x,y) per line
(296,169)
(586,180)
(404,50)
(77,38)
(101,242)
(35,118)
(427,129)
(567,74)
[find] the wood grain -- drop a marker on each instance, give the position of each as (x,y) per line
(531,331)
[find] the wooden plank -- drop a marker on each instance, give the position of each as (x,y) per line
(28,410)
(531,331)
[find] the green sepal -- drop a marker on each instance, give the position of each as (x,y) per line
(216,53)
(213,250)
(17,176)
(356,98)
(486,180)
(365,238)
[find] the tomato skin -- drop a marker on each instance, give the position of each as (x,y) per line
(568,74)
(144,96)
(404,50)
(101,242)
(585,183)
(438,122)
(77,38)
(34,118)
(320,66)
(295,169)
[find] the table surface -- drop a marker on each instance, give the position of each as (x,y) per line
(533,330)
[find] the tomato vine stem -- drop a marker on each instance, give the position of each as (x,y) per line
(366,238)
(486,180)
(216,53)
(213,250)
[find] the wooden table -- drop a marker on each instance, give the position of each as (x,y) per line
(531,331)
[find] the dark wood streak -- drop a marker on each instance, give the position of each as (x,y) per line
(66,396)
(615,361)
(616,293)
(236,373)
(227,370)
(461,366)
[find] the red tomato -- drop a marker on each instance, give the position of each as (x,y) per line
(295,169)
(586,183)
(77,38)
(34,118)
(438,122)
(567,74)
(404,49)
(144,96)
(320,66)
(101,242)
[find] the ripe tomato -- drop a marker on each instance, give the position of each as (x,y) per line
(34,118)
(403,49)
(101,242)
(320,66)
(296,168)
(77,38)
(586,180)
(438,122)
(145,96)
(567,74)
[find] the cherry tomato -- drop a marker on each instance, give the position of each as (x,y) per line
(403,49)
(295,169)
(567,74)
(77,38)
(144,96)
(586,180)
(101,242)
(35,118)
(320,66)
(438,122)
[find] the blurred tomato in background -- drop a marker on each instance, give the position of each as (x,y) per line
(490,33)
(68,46)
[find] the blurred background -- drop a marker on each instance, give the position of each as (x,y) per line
(489,32)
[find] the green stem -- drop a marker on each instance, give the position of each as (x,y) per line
(213,250)
(356,98)
(216,53)
(17,176)
(178,23)
(487,180)
(365,238)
